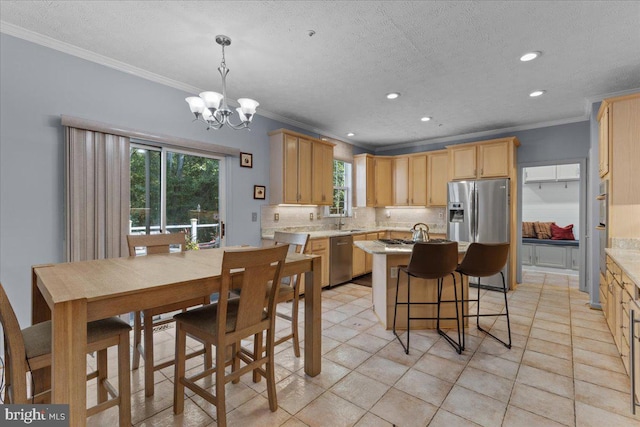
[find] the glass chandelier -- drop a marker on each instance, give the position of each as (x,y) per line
(211,107)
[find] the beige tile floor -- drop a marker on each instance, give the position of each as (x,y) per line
(563,369)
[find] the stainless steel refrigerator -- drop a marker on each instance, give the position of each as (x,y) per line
(478,211)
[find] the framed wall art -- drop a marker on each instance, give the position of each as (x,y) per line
(259,192)
(246,160)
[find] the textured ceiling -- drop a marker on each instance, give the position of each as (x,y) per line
(455,61)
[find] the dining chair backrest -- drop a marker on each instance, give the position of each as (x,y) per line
(14,349)
(155,243)
(261,267)
(484,259)
(433,260)
(297,241)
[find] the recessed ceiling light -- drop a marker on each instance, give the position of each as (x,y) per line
(425,119)
(537,93)
(351,134)
(530,56)
(393,95)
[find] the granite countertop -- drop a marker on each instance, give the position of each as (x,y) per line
(331,233)
(374,247)
(628,260)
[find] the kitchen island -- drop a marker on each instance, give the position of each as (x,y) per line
(386,260)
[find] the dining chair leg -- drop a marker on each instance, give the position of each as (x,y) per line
(235,360)
(271,373)
(294,323)
(137,340)
(221,404)
(458,317)
(179,370)
(124,380)
(147,323)
(103,374)
(257,353)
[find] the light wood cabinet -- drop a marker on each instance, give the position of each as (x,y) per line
(383,190)
(291,167)
(418,180)
(463,162)
(321,247)
(401,180)
(437,178)
(363,180)
(322,170)
(358,268)
(485,159)
(603,140)
(621,133)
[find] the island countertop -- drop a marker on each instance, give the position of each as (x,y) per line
(376,248)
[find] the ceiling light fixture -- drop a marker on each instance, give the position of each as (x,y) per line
(425,119)
(536,93)
(211,107)
(351,134)
(530,56)
(393,95)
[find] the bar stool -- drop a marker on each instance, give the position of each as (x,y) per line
(430,261)
(484,260)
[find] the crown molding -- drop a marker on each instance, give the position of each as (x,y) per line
(492,132)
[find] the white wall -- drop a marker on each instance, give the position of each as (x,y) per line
(552,202)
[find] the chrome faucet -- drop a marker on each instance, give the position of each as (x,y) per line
(340,223)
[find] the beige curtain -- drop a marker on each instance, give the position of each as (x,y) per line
(97,194)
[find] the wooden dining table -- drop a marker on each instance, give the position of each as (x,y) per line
(72,294)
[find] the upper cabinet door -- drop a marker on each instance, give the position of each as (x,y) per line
(462,162)
(383,170)
(569,172)
(603,143)
(304,170)
(322,193)
(437,178)
(401,181)
(290,169)
(418,180)
(494,160)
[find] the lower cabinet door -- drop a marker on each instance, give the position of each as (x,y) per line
(551,256)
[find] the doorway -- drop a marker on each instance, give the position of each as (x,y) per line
(553,193)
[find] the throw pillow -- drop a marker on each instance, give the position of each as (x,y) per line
(562,233)
(543,229)
(527,230)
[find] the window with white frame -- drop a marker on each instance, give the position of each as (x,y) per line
(342,191)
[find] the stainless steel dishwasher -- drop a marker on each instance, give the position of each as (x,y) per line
(341,259)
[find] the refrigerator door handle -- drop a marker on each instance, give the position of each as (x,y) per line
(474,214)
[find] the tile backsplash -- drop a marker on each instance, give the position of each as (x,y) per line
(620,243)
(311,218)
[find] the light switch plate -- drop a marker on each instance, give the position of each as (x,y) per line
(254,216)
(394,272)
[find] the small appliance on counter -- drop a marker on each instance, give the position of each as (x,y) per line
(420,232)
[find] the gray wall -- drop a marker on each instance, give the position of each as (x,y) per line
(39,84)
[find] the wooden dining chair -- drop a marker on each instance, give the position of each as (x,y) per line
(29,350)
(289,289)
(228,321)
(157,244)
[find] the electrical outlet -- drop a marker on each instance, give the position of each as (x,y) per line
(440,215)
(355,214)
(394,272)
(276,216)
(311,216)
(254,216)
